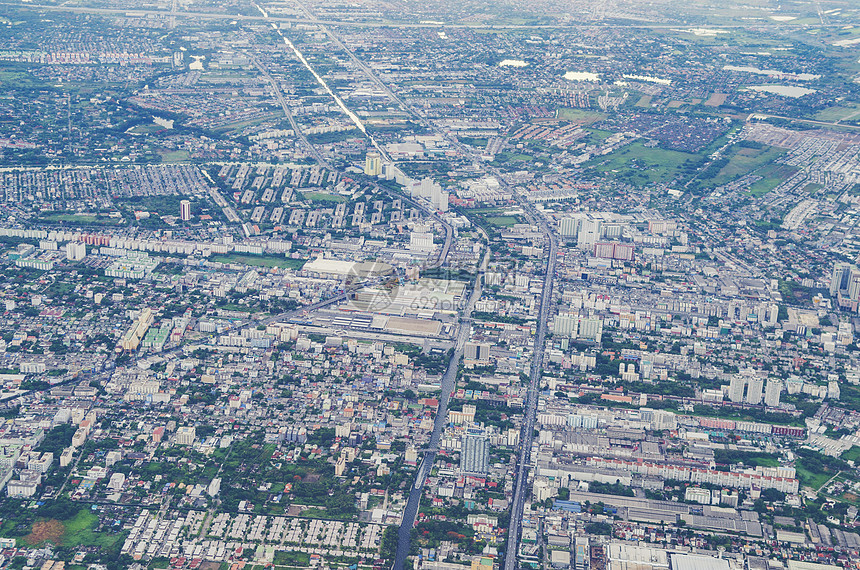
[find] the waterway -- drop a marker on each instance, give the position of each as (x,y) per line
(784,90)
(512,63)
(581,76)
(338,101)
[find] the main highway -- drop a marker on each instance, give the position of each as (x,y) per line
(449,379)
(447,386)
(279,95)
(527,434)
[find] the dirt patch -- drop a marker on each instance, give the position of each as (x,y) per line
(716,99)
(51,530)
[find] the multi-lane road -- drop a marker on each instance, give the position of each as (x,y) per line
(447,386)
(279,95)
(524,460)
(449,379)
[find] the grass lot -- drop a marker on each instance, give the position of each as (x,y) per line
(772,176)
(292,558)
(504,221)
(145,129)
(73,533)
(596,136)
(17,79)
(742,160)
(79,532)
(81,219)
(323,197)
(745,160)
(642,165)
(852,454)
(260,260)
(810,479)
(477,142)
(237,127)
(838,113)
(169,156)
(849,397)
(583,116)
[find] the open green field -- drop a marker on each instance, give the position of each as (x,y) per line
(580,115)
(642,165)
(477,142)
(79,532)
(81,219)
(810,479)
(745,160)
(503,221)
(237,127)
(749,158)
(852,454)
(260,260)
(145,129)
(772,176)
(597,136)
(9,78)
(72,533)
(169,156)
(323,197)
(839,113)
(292,558)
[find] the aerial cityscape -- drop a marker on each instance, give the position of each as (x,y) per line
(387,285)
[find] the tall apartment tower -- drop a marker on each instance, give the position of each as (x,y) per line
(754,388)
(772,392)
(373,164)
(184,210)
(475,453)
(75,251)
(736,388)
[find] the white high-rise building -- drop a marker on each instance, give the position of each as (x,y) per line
(476,353)
(839,279)
(754,388)
(736,388)
(772,392)
(589,234)
(565,325)
(590,328)
(421,241)
(184,210)
(569,227)
(773,315)
(75,251)
(845,336)
(431,191)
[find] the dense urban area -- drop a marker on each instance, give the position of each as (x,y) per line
(431,286)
